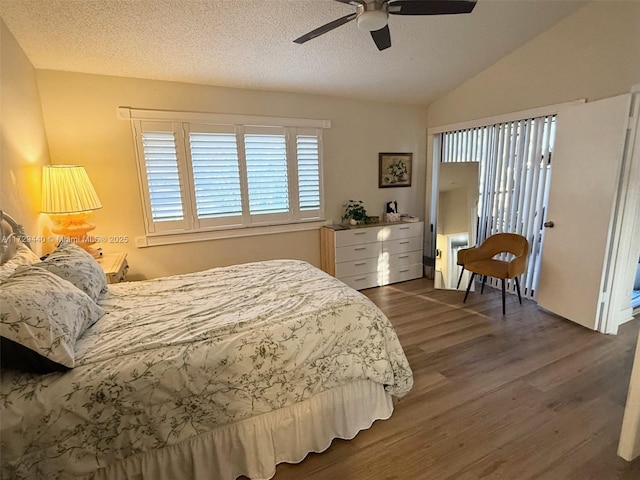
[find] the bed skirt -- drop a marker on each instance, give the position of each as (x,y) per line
(254,446)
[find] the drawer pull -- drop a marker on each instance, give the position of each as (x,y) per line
(404,256)
(360,233)
(361,248)
(404,243)
(404,271)
(360,264)
(404,228)
(360,279)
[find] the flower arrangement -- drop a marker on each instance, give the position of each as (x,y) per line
(354,212)
(398,169)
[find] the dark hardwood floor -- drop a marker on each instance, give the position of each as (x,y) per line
(523,396)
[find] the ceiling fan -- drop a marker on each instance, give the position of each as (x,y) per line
(373,15)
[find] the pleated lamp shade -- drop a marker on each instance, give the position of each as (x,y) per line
(67,189)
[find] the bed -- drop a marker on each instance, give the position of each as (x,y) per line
(210,375)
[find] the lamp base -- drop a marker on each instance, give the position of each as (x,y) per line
(75,229)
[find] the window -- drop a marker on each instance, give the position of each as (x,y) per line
(199,174)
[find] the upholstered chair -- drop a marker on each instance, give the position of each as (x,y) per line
(480,261)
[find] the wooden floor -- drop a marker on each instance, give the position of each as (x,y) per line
(522,396)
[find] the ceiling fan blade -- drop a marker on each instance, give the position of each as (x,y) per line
(430,7)
(326,28)
(382,37)
(355,3)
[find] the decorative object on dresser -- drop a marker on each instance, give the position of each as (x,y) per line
(354,212)
(115,266)
(69,198)
(394,169)
(369,256)
(392,215)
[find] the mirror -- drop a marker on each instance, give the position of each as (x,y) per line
(456,221)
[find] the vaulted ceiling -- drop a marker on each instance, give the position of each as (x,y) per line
(249,43)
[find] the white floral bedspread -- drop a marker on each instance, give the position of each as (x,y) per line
(177,356)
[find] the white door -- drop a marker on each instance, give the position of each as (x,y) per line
(584,181)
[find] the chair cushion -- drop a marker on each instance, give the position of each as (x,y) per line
(490,267)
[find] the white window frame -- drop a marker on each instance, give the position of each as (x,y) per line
(193,229)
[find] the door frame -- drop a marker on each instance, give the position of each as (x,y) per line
(431,193)
(618,274)
(618,271)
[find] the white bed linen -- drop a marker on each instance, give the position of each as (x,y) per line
(177,358)
(254,446)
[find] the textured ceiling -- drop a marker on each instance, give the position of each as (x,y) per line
(249,43)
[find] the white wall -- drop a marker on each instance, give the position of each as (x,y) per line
(23,143)
(83,128)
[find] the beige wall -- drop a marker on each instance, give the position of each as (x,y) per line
(593,54)
(83,128)
(23,143)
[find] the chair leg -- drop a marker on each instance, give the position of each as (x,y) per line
(518,290)
(484,280)
(503,283)
(468,287)
(460,278)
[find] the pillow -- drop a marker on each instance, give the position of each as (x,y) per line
(77,266)
(41,316)
(22,256)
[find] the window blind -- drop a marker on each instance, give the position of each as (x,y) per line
(216,175)
(308,172)
(163,178)
(199,177)
(514,169)
(267,179)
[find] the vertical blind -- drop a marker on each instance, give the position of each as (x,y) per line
(514,169)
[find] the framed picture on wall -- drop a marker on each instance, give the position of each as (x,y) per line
(394,169)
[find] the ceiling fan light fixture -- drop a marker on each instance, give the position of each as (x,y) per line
(372,20)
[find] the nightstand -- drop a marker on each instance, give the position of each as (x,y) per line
(115,266)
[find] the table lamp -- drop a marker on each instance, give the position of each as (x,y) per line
(69,198)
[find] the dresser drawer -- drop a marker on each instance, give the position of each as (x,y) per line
(399,260)
(360,282)
(402,274)
(358,252)
(403,245)
(404,230)
(357,267)
(357,236)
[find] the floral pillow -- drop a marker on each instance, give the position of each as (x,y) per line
(22,256)
(41,316)
(77,266)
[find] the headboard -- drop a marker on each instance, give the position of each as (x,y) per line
(10,228)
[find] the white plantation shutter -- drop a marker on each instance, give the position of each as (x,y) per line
(308,157)
(216,176)
(215,173)
(161,165)
(162,176)
(267,177)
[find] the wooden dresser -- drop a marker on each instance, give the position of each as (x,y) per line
(366,256)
